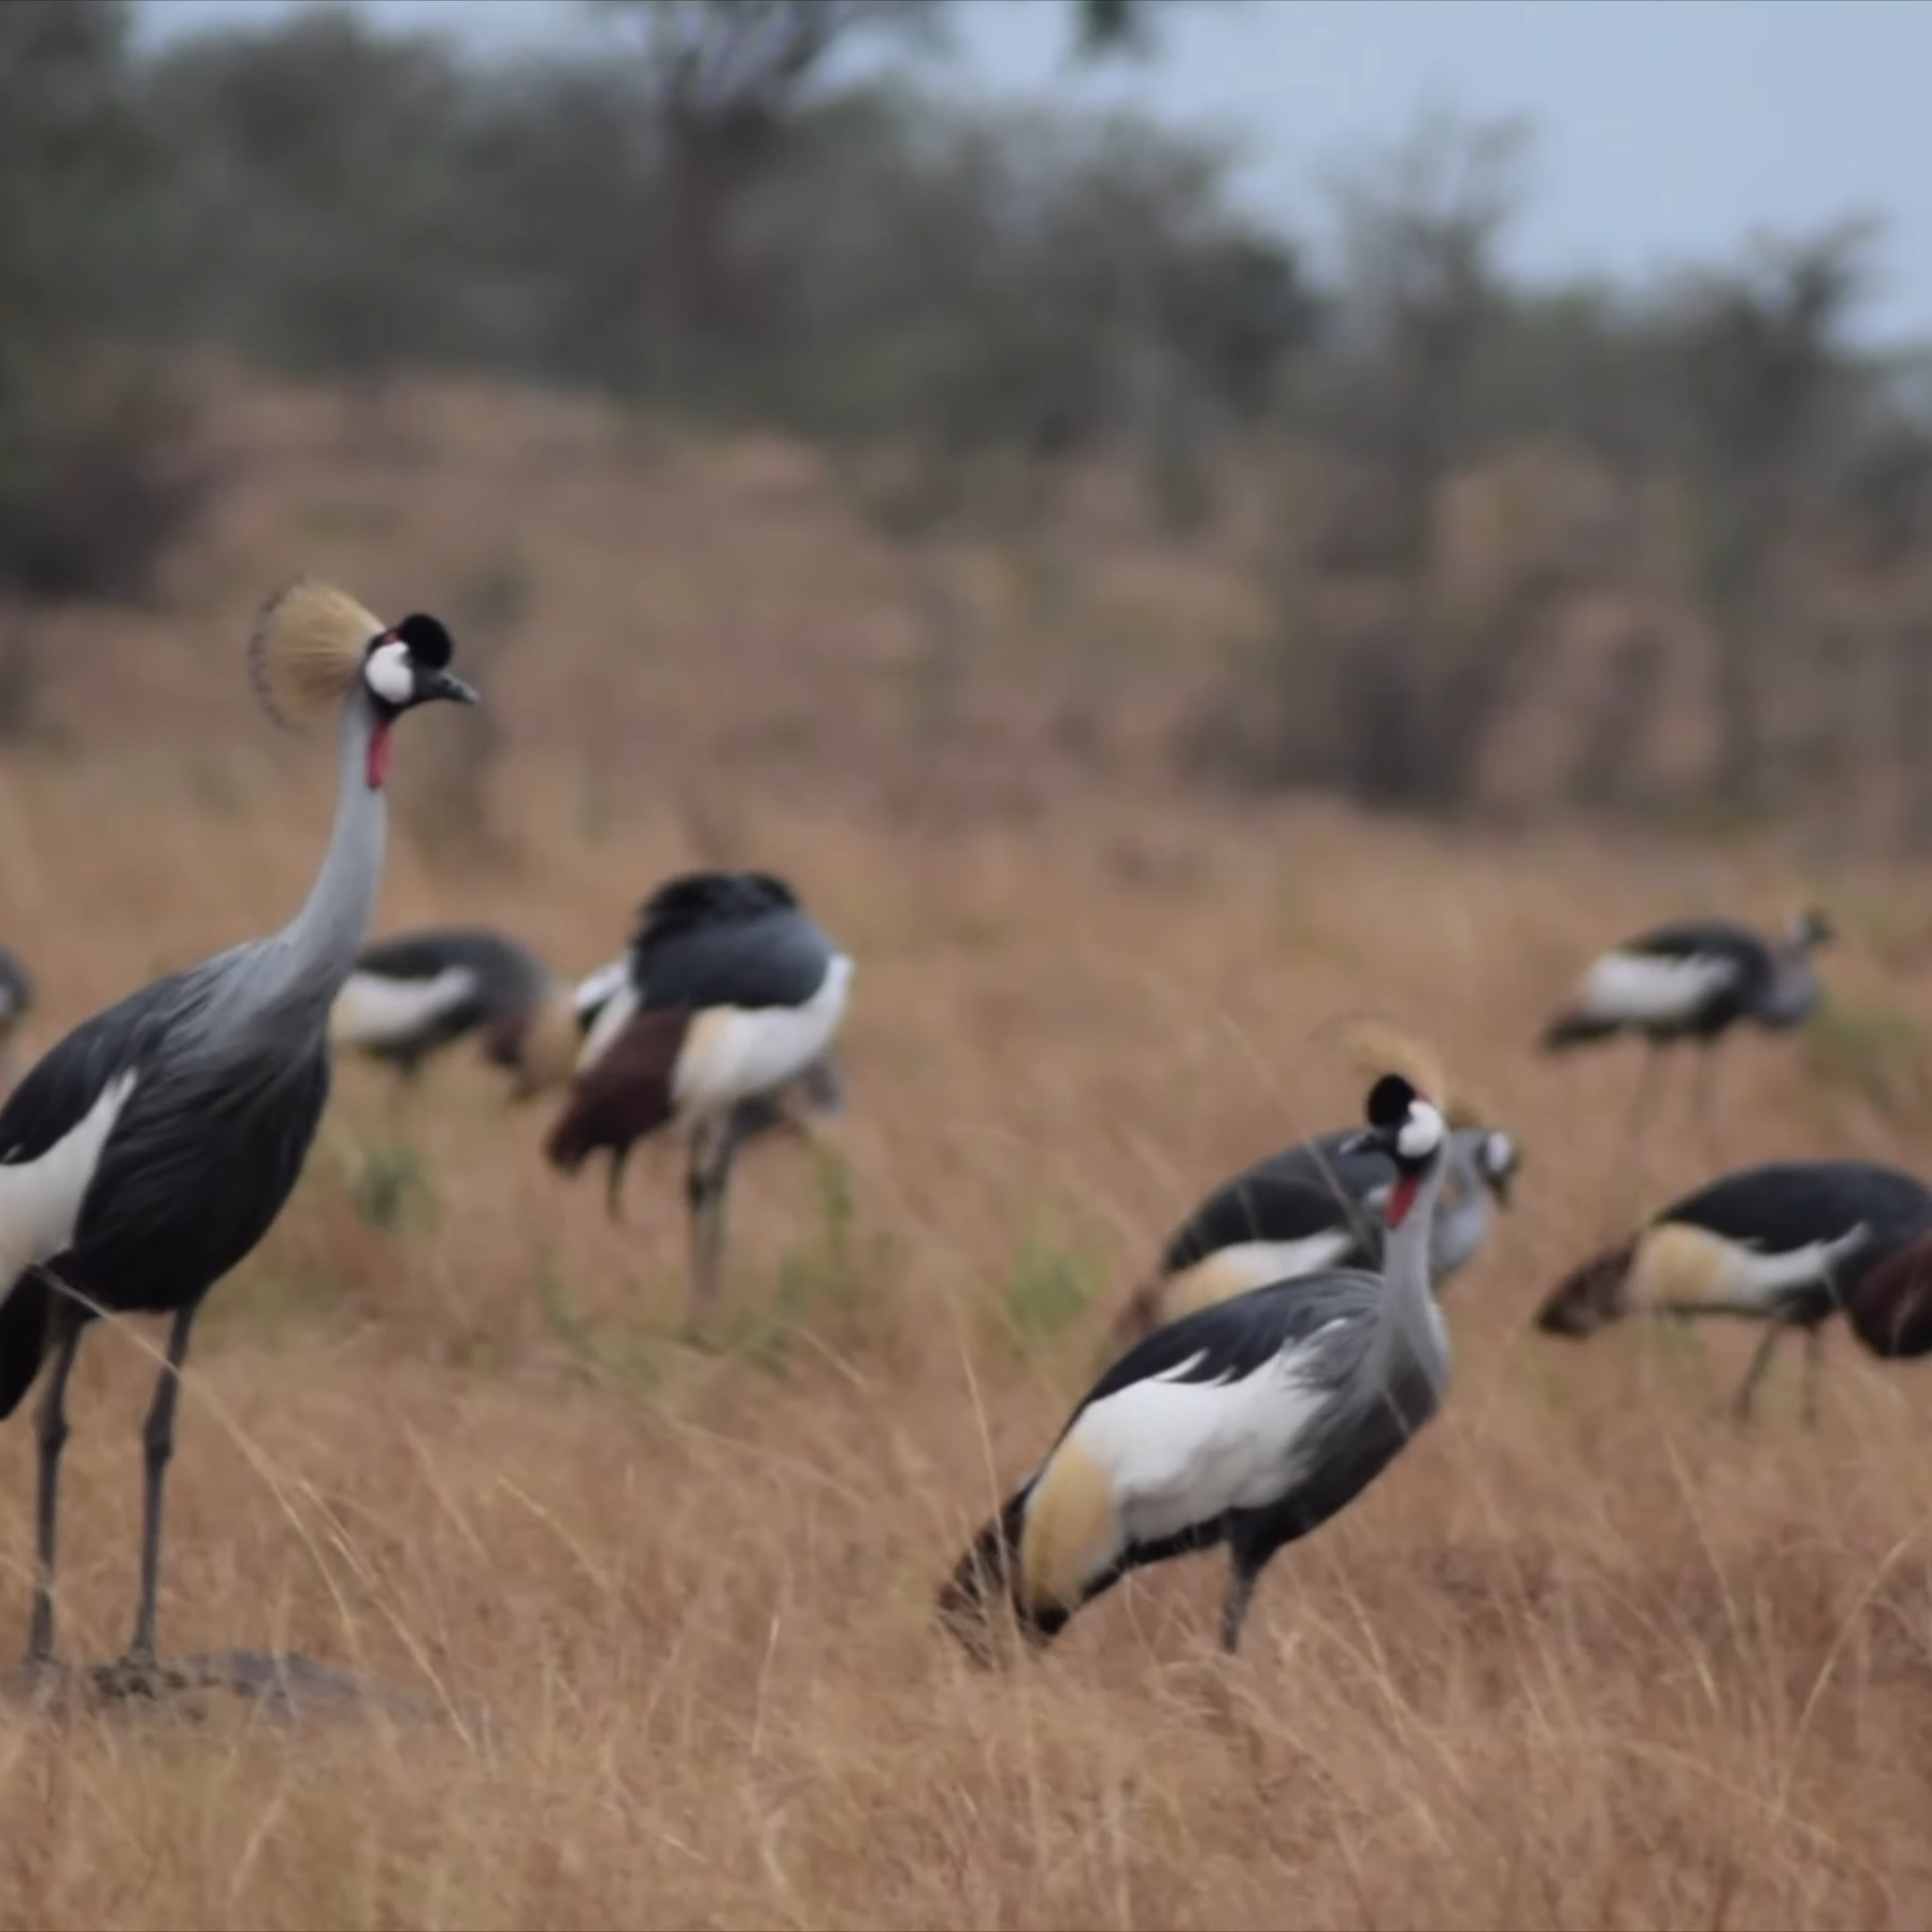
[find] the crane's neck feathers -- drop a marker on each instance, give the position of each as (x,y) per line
(306,964)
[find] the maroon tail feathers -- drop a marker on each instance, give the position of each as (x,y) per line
(625,1095)
(1890,1308)
(987,1579)
(1589,1295)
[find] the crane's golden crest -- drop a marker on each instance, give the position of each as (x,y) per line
(1376,1046)
(1468,1108)
(308,649)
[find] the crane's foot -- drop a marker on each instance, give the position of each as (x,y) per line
(38,1680)
(140,1674)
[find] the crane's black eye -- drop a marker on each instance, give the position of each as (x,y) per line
(427,640)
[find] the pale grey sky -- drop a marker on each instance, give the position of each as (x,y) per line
(1666,130)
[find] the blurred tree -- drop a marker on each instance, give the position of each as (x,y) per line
(321,197)
(726,82)
(95,476)
(1396,702)
(1762,379)
(723,79)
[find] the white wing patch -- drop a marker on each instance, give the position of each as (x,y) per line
(618,1007)
(594,990)
(732,1053)
(372,1011)
(1640,989)
(40,1199)
(1177,1454)
(1682,1266)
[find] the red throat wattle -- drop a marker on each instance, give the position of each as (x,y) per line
(378,755)
(1402,1198)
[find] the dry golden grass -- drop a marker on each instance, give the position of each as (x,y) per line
(1586,1657)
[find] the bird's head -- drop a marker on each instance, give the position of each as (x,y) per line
(1812,928)
(315,648)
(1498,1159)
(1409,1127)
(408,665)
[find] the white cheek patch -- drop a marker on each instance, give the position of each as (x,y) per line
(390,674)
(1502,1153)
(1421,1134)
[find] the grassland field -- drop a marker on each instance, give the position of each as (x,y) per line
(1587,1656)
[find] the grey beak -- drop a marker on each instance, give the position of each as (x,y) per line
(1368,1141)
(434,684)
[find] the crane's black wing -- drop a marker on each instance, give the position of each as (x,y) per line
(1260,1205)
(1230,1340)
(759,955)
(1782,1205)
(506,972)
(205,1150)
(1744,950)
(1329,1163)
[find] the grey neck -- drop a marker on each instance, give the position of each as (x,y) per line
(1461,1224)
(301,969)
(1792,989)
(1407,1321)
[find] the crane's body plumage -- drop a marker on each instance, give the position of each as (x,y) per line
(219,1100)
(1250,1422)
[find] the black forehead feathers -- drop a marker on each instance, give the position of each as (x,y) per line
(1389,1101)
(427,640)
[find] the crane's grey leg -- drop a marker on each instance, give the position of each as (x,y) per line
(1814,1367)
(158,1444)
(1243,1574)
(614,1180)
(1649,1084)
(1754,1374)
(64,1333)
(714,1147)
(1705,1079)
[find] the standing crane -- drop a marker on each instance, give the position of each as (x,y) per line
(1786,1244)
(16,1000)
(151,1148)
(1313,1207)
(1249,1422)
(731,992)
(1694,980)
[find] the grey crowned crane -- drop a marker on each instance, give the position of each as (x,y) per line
(151,1148)
(16,1000)
(1316,1206)
(1249,1422)
(1787,1243)
(1694,980)
(414,994)
(730,993)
